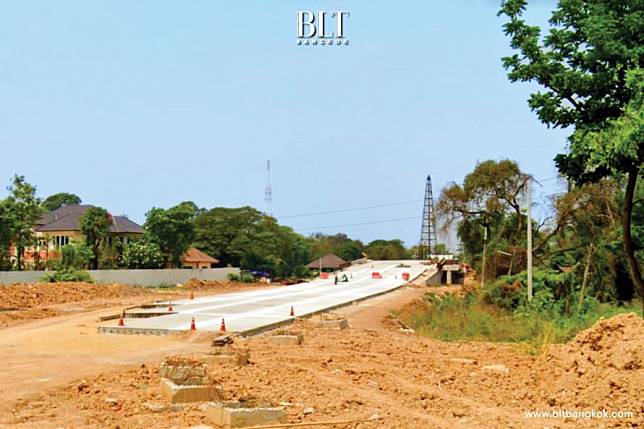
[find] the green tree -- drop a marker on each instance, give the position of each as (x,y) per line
(76,256)
(23,210)
(387,250)
(338,244)
(60,199)
(172,230)
(246,238)
(6,233)
(589,64)
(142,254)
(95,224)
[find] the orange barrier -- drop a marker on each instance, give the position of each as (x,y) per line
(324,276)
(376,275)
(405,276)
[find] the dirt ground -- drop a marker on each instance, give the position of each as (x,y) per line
(24,302)
(58,372)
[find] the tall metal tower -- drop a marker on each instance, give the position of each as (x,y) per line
(428,231)
(268,193)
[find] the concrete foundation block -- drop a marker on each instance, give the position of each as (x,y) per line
(499,369)
(228,358)
(181,394)
(334,324)
(237,414)
(184,375)
(287,339)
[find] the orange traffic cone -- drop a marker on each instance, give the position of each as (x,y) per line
(292,312)
(121,322)
(170,307)
(193,327)
(222,327)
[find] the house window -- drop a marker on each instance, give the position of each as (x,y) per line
(61,240)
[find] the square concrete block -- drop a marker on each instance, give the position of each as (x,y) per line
(182,394)
(228,358)
(287,339)
(184,375)
(241,414)
(334,324)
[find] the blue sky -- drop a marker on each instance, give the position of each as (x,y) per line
(149,103)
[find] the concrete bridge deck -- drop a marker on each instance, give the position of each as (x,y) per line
(250,311)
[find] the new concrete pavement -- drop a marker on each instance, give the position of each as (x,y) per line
(249,311)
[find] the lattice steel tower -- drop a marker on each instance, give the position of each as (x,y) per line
(268,193)
(428,231)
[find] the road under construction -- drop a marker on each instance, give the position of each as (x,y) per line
(254,311)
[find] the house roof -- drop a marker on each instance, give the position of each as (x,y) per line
(67,218)
(329,261)
(196,255)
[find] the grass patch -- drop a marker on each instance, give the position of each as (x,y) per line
(451,318)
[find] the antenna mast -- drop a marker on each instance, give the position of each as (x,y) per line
(268,193)
(428,230)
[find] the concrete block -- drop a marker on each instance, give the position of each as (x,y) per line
(184,375)
(181,394)
(500,369)
(240,414)
(226,357)
(287,339)
(334,324)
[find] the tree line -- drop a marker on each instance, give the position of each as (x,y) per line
(243,237)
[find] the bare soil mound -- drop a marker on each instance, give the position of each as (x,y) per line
(602,368)
(38,294)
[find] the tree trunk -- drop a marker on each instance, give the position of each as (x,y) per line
(584,282)
(626,226)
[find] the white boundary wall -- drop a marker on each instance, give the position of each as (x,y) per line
(147,278)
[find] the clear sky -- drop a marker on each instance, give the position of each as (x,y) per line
(135,104)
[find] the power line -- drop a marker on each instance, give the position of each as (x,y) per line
(359,223)
(349,210)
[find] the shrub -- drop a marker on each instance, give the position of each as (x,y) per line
(234,277)
(75,256)
(142,254)
(67,275)
(247,278)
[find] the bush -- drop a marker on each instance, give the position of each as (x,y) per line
(451,318)
(75,256)
(142,254)
(247,278)
(234,277)
(67,275)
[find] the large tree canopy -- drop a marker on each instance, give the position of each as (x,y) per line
(95,225)
(589,65)
(172,230)
(246,238)
(60,199)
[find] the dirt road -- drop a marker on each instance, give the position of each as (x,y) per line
(60,373)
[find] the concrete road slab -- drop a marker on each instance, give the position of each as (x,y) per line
(248,311)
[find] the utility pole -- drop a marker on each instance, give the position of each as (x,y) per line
(529,249)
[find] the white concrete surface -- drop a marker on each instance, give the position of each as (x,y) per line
(251,310)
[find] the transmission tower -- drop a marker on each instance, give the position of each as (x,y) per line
(268,193)
(428,231)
